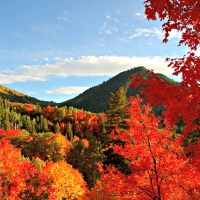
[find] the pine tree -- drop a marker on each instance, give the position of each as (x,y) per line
(69,133)
(6,121)
(1,111)
(57,128)
(117,115)
(27,123)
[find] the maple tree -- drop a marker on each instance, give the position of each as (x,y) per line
(160,169)
(182,101)
(19,178)
(182,16)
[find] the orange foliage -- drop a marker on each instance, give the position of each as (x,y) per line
(160,170)
(10,133)
(85,142)
(68,182)
(64,144)
(19,179)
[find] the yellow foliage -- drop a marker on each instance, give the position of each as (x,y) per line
(67,182)
(64,144)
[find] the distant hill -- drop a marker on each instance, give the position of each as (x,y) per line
(96,99)
(15,96)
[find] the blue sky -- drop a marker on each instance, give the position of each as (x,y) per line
(54,50)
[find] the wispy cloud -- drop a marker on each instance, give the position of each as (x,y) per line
(84,66)
(66,90)
(46,59)
(105,29)
(94,66)
(117,20)
(62,18)
(108,16)
(13,78)
(154,32)
(138,14)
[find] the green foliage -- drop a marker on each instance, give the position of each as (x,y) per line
(117,118)
(85,159)
(15,96)
(117,113)
(93,100)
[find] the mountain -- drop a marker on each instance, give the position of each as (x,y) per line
(96,99)
(15,96)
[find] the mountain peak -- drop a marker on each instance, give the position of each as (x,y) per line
(95,99)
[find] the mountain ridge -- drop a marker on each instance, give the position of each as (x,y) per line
(100,94)
(94,99)
(15,96)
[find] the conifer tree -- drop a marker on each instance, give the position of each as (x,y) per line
(6,121)
(69,133)
(1,111)
(116,114)
(117,117)
(57,128)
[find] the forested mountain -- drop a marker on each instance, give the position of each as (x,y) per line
(15,96)
(96,99)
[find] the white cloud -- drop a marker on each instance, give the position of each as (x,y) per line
(66,90)
(84,66)
(154,32)
(95,66)
(108,31)
(62,18)
(57,58)
(46,59)
(138,14)
(108,16)
(13,78)
(105,29)
(117,20)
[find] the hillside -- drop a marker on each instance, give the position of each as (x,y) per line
(95,99)
(15,96)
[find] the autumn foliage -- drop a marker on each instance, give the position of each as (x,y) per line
(160,169)
(19,178)
(68,183)
(22,178)
(37,144)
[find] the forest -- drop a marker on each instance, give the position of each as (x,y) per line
(128,152)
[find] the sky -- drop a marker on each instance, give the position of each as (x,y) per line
(54,50)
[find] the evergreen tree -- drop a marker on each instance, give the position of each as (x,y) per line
(1,112)
(15,120)
(45,125)
(117,114)
(6,121)
(69,133)
(57,128)
(117,117)
(27,123)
